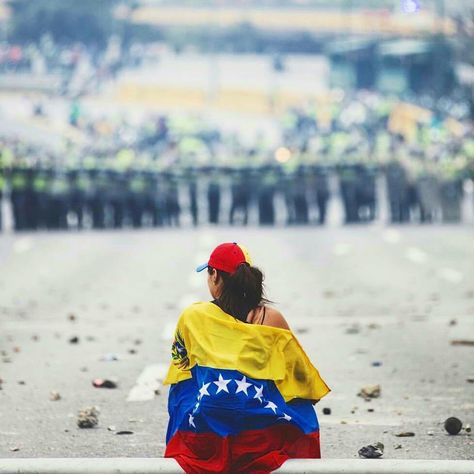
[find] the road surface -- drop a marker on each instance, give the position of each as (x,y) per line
(396,296)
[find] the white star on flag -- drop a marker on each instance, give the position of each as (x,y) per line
(242,385)
(191,420)
(285,417)
(259,393)
(222,384)
(203,390)
(272,406)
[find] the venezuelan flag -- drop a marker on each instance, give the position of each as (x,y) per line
(241,396)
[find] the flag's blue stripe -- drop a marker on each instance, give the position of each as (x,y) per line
(213,401)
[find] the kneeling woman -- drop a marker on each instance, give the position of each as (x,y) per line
(242,388)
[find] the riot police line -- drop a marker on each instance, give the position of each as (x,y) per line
(56,198)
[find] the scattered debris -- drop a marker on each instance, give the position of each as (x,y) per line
(470,380)
(453,322)
(111,428)
(326,411)
(376,363)
(54,396)
(373,326)
(35,337)
(132,351)
(370,391)
(301,330)
(14,448)
(467,428)
(109,357)
(74,340)
(372,451)
(405,434)
(353,330)
(88,418)
(462,342)
(453,425)
(16,349)
(124,432)
(398,446)
(104,383)
(72,317)
(21,382)
(370,410)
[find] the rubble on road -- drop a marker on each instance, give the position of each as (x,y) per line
(372,451)
(104,383)
(405,434)
(54,396)
(88,417)
(370,391)
(453,425)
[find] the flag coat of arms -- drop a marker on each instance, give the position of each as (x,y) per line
(241,396)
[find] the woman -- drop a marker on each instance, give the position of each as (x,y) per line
(242,388)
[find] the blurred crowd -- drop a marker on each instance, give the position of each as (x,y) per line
(170,170)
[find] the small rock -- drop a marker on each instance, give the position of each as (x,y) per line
(370,410)
(14,448)
(111,428)
(21,382)
(88,418)
(74,340)
(398,446)
(54,396)
(470,380)
(104,383)
(370,391)
(372,451)
(453,425)
(124,432)
(353,330)
(16,349)
(35,337)
(453,322)
(326,411)
(373,326)
(430,433)
(405,434)
(462,342)
(376,363)
(467,428)
(132,351)
(71,317)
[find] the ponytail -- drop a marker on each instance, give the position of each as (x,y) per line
(242,291)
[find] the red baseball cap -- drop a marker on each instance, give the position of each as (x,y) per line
(227,257)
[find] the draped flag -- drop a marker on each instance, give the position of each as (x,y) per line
(241,396)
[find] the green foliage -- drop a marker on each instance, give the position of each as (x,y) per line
(67,21)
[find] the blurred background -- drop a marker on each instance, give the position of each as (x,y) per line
(334,139)
(164,113)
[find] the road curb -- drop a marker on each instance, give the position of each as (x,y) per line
(170,466)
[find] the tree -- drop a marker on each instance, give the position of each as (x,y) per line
(67,21)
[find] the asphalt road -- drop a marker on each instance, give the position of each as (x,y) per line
(354,296)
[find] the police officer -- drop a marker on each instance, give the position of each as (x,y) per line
(18,195)
(214,197)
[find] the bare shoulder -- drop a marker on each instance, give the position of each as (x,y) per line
(274,318)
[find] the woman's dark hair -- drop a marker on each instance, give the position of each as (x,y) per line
(242,291)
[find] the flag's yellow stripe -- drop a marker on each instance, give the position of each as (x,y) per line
(215,339)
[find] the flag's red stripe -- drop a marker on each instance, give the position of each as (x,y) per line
(255,451)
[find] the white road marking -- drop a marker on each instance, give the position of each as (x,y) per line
(392,236)
(451,275)
(416,255)
(22,245)
(147,383)
(341,249)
